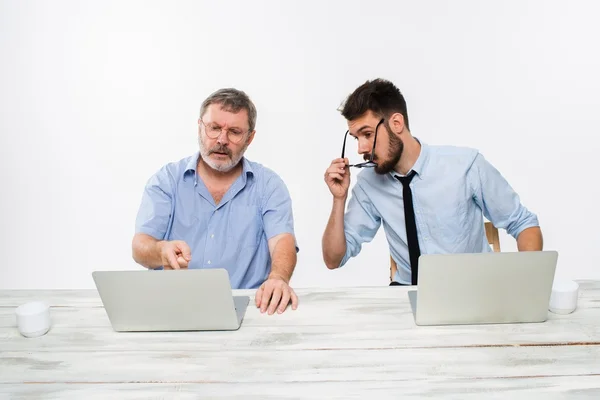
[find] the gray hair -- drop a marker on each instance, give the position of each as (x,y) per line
(231,100)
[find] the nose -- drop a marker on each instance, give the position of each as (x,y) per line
(364,146)
(223,137)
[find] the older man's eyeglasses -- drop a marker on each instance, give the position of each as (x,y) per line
(369,163)
(213,131)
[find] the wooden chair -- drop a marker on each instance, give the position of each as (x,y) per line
(492,236)
(491,232)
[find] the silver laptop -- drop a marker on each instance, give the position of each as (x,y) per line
(184,300)
(483,288)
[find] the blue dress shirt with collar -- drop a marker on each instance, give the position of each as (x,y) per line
(176,205)
(453,189)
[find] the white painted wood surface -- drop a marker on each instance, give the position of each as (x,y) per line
(340,343)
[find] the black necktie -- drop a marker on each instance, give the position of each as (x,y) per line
(411,226)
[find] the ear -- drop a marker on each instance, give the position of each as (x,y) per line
(251,137)
(397,123)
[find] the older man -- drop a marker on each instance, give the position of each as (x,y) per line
(217,209)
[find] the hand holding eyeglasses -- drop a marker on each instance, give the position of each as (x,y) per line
(337,178)
(337,175)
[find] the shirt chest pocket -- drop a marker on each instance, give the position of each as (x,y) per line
(244,226)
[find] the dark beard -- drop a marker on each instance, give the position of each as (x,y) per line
(394,153)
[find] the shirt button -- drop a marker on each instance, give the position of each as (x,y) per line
(212,235)
(208,262)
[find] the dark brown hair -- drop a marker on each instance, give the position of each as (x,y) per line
(379,96)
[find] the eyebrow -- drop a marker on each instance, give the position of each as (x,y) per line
(362,128)
(231,127)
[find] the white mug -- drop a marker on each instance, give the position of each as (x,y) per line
(563,299)
(33,319)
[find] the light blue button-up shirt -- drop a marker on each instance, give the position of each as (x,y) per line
(454,187)
(176,205)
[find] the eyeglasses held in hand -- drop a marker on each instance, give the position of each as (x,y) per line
(369,163)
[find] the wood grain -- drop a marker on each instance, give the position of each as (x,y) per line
(548,388)
(231,366)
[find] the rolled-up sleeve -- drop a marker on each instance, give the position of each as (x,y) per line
(361,222)
(498,200)
(156,207)
(277,212)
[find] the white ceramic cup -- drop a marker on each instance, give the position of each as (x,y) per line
(33,319)
(563,299)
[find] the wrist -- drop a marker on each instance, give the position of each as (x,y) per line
(340,201)
(274,275)
(159,249)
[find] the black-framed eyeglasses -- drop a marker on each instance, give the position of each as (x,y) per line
(369,163)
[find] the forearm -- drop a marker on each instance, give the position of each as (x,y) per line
(334,238)
(530,239)
(284,258)
(146,251)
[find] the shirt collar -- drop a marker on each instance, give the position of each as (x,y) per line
(190,168)
(421,162)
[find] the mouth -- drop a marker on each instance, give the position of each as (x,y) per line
(220,153)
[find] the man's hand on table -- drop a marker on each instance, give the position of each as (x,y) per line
(274,295)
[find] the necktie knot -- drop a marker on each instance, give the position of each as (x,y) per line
(406,179)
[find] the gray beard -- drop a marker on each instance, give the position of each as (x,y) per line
(226,167)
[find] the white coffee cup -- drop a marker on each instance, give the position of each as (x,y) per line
(563,299)
(33,319)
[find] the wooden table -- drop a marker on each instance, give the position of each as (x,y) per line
(340,343)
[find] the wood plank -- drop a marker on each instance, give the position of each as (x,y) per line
(589,295)
(549,388)
(231,366)
(313,314)
(372,305)
(77,337)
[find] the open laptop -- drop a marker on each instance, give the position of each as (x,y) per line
(483,288)
(184,300)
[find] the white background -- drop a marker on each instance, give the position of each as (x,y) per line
(96,96)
